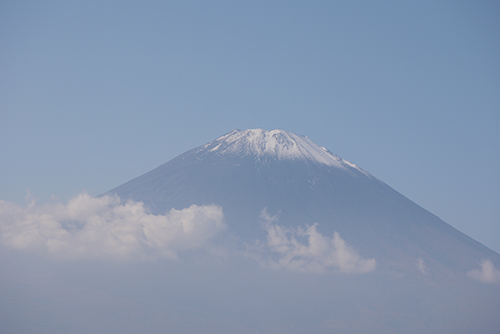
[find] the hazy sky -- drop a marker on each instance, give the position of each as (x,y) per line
(95,93)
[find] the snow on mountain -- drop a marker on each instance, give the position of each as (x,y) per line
(277,144)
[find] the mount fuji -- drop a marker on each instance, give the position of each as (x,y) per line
(399,268)
(301,183)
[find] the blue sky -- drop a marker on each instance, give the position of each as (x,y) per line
(94,93)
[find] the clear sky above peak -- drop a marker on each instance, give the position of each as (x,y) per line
(95,93)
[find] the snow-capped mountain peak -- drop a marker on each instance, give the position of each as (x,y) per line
(277,144)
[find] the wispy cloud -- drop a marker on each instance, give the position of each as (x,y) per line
(317,254)
(107,227)
(421,266)
(487,274)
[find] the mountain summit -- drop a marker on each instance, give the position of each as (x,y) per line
(275,144)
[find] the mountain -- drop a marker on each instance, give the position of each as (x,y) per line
(302,183)
(397,268)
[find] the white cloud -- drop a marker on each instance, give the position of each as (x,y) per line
(317,254)
(487,274)
(106,227)
(421,266)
